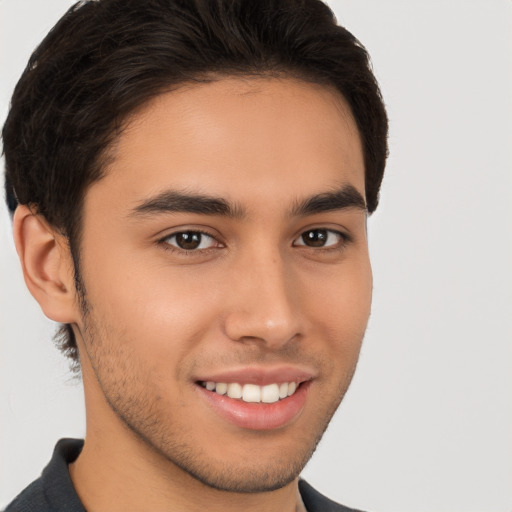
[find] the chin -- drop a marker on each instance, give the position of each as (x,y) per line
(244,469)
(255,477)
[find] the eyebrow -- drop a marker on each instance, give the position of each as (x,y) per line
(173,201)
(344,198)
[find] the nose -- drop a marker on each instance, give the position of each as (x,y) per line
(264,305)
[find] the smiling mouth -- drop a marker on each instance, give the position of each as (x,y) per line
(252,393)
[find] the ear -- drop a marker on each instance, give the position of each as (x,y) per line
(47,265)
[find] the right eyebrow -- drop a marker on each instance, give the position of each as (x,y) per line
(173,201)
(344,198)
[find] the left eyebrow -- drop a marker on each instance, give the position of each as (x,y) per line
(344,198)
(174,201)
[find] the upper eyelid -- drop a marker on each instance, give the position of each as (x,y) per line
(166,245)
(174,232)
(338,230)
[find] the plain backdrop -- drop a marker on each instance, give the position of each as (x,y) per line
(427,424)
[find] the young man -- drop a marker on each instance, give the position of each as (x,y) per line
(190,182)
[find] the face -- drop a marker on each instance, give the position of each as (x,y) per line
(228,285)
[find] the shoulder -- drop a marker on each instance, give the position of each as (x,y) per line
(316,502)
(53,491)
(32,499)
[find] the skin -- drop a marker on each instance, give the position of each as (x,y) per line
(253,295)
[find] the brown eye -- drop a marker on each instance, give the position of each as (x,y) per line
(190,240)
(320,238)
(315,237)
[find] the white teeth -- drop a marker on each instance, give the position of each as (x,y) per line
(234,390)
(253,393)
(270,393)
(221,388)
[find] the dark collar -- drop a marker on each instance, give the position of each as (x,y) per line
(57,484)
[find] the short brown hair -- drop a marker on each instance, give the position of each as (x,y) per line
(105,58)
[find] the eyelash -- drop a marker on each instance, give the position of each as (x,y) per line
(164,242)
(168,247)
(344,239)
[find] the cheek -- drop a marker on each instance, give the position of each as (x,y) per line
(341,307)
(158,306)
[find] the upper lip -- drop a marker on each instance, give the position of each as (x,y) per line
(260,376)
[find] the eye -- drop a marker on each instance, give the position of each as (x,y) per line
(190,240)
(320,238)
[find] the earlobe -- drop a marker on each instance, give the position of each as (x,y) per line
(47,265)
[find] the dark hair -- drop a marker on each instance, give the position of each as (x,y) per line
(106,58)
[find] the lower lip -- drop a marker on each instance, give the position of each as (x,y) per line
(257,416)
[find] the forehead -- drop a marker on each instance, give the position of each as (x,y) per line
(239,138)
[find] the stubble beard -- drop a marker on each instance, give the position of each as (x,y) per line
(139,412)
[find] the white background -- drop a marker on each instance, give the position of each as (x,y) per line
(427,424)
